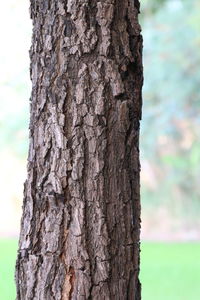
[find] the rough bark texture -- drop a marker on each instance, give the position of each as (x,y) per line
(81,212)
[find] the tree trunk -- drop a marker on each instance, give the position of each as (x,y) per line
(81,212)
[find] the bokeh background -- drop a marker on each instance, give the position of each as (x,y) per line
(170,144)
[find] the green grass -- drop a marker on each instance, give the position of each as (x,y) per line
(8,252)
(168,271)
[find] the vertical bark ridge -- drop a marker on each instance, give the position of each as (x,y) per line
(81,213)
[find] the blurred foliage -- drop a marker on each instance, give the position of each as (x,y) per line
(150,7)
(14,78)
(170,136)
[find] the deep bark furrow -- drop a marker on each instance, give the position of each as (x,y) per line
(81,213)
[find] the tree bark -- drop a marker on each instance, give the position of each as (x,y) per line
(81,212)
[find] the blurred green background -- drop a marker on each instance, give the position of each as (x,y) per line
(170,145)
